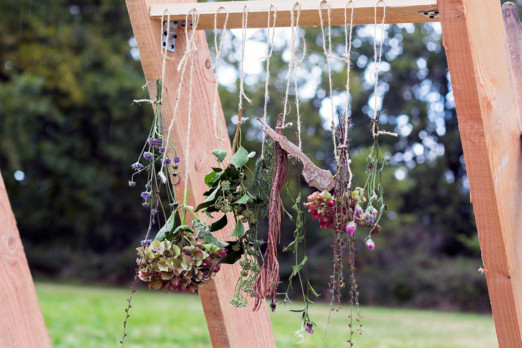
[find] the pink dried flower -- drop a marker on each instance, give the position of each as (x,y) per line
(351,227)
(370,244)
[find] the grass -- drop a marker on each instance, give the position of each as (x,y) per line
(79,316)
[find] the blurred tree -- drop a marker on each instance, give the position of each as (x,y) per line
(69,130)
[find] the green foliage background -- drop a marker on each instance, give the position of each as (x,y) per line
(67,81)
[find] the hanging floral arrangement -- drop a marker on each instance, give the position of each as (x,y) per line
(182,253)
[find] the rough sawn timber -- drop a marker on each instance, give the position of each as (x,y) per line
(397,11)
(21,320)
(228,326)
(475,43)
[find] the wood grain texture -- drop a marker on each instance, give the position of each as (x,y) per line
(514,42)
(475,42)
(228,326)
(21,320)
(397,11)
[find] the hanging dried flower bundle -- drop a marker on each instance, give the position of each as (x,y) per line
(184,253)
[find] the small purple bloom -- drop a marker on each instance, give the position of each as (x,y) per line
(146,242)
(132,183)
(162,150)
(154,142)
(146,195)
(357,212)
(146,204)
(166,161)
(350,228)
(309,328)
(148,156)
(176,159)
(137,166)
(370,244)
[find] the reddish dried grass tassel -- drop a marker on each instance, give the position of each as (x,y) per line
(268,279)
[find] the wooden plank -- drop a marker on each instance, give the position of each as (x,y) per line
(397,11)
(514,41)
(228,326)
(21,321)
(475,42)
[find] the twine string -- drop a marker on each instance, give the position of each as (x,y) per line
(291,61)
(328,55)
(347,55)
(298,62)
(193,48)
(377,57)
(189,50)
(244,22)
(218,48)
(269,49)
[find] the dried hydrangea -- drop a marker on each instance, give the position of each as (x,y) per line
(183,267)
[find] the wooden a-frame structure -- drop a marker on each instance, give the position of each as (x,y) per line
(485,61)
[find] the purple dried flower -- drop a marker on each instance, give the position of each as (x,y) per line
(309,328)
(166,161)
(132,183)
(176,159)
(148,156)
(137,166)
(162,150)
(146,195)
(146,242)
(154,142)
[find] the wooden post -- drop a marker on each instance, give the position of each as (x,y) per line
(478,59)
(21,321)
(514,42)
(228,326)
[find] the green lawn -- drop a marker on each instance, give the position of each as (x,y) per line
(78,316)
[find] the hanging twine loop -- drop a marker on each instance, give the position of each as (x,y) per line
(294,22)
(298,62)
(218,48)
(347,58)
(182,67)
(328,55)
(244,22)
(377,57)
(269,49)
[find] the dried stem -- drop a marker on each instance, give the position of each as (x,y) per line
(266,283)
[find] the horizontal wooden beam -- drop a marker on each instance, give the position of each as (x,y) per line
(397,11)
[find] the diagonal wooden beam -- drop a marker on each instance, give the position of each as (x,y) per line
(228,326)
(475,43)
(397,11)
(21,320)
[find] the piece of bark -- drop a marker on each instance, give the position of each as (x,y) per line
(321,179)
